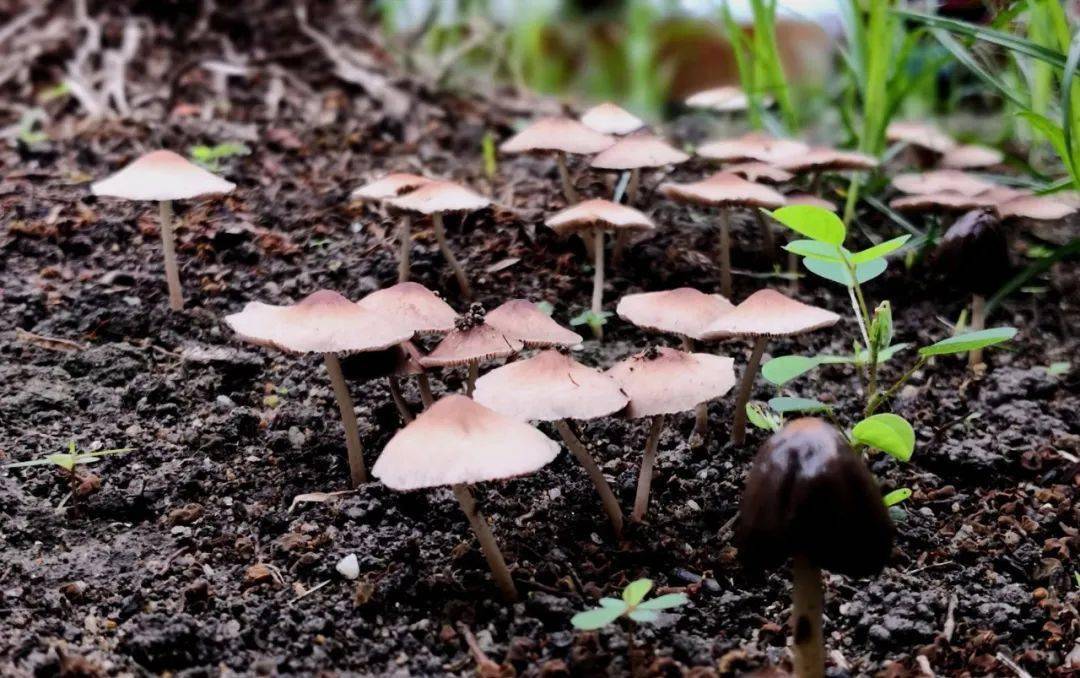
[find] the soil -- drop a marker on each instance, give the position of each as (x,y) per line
(204,551)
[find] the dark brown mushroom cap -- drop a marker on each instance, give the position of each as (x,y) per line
(973,255)
(808,493)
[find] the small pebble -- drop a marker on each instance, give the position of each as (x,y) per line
(349,566)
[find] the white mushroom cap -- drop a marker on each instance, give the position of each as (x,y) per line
(521,319)
(1035,207)
(412,305)
(390,186)
(557,134)
(548,387)
(725,99)
(666,381)
(598,213)
(769,313)
(759,171)
(724,189)
(161,175)
(607,118)
(457,441)
(921,134)
(941,181)
(477,343)
(638,151)
(322,322)
(440,196)
(971,157)
(753,146)
(683,311)
(827,159)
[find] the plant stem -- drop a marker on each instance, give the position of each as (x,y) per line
(494,556)
(978,322)
(725,254)
(852,198)
(564,177)
(168,246)
(459,272)
(399,400)
(879,398)
(607,497)
(598,282)
(641,500)
(768,243)
(405,251)
(474,373)
(858,317)
(357,470)
(808,602)
(425,390)
(701,412)
(738,426)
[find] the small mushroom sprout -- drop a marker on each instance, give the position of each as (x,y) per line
(561,136)
(471,342)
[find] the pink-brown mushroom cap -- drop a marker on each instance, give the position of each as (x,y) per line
(557,134)
(724,190)
(971,157)
(457,441)
(759,171)
(752,146)
(440,196)
(161,175)
(684,311)
(607,118)
(390,186)
(941,181)
(810,200)
(638,151)
(723,99)
(412,305)
(768,313)
(522,320)
(478,343)
(548,387)
(921,134)
(940,202)
(322,322)
(598,213)
(673,381)
(826,159)
(1035,207)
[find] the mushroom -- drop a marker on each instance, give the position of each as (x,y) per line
(752,146)
(436,198)
(662,381)
(597,216)
(522,320)
(458,442)
(389,187)
(817,161)
(552,386)
(974,255)
(631,154)
(393,363)
(471,341)
(939,202)
(810,498)
(684,312)
(607,118)
(765,313)
(927,140)
(323,322)
(562,136)
(417,308)
(941,181)
(163,176)
(725,192)
(971,157)
(1034,207)
(760,172)
(724,99)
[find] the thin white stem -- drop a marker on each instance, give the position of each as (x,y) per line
(168,246)
(444,247)
(488,545)
(357,470)
(641,499)
(598,280)
(738,426)
(607,497)
(858,316)
(399,399)
(405,248)
(701,412)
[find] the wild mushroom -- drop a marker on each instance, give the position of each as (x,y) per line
(522,320)
(417,308)
(631,154)
(925,139)
(971,157)
(436,198)
(662,381)
(684,312)
(817,161)
(459,443)
(939,202)
(393,363)
(763,173)
(941,181)
(764,314)
(810,498)
(1033,207)
(471,342)
(973,254)
(754,146)
(389,187)
(594,217)
(163,176)
(723,99)
(561,136)
(607,118)
(552,386)
(725,192)
(323,322)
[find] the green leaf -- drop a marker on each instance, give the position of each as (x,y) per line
(816,223)
(887,432)
(896,496)
(838,273)
(814,249)
(597,618)
(761,419)
(1006,40)
(886,353)
(784,404)
(664,602)
(636,591)
(644,616)
(591,319)
(1058,368)
(879,250)
(783,369)
(962,343)
(613,603)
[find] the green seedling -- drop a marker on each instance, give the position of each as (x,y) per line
(594,319)
(760,416)
(632,605)
(210,157)
(897,497)
(67,461)
(487,148)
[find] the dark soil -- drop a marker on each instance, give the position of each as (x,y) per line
(193,557)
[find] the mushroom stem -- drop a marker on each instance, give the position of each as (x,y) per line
(168,246)
(978,322)
(459,272)
(474,373)
(607,497)
(399,400)
(641,500)
(425,390)
(494,556)
(815,182)
(598,281)
(633,186)
(357,470)
(701,412)
(564,177)
(808,599)
(405,251)
(768,243)
(725,254)
(738,426)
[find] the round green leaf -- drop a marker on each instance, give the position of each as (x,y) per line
(664,602)
(597,618)
(962,343)
(783,405)
(635,591)
(813,222)
(783,369)
(814,249)
(887,432)
(644,616)
(836,272)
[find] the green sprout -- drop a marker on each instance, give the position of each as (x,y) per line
(210,157)
(30,133)
(632,605)
(594,319)
(487,148)
(70,459)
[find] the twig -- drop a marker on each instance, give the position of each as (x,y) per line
(1016,668)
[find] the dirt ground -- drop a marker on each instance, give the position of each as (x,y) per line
(194,557)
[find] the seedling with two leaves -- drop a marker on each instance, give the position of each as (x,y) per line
(67,461)
(632,605)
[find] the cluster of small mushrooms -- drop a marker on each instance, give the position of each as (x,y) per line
(809,496)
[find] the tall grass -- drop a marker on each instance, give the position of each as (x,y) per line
(757,58)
